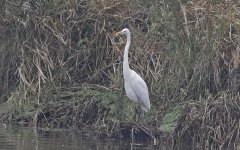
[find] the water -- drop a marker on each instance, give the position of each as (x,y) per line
(24,138)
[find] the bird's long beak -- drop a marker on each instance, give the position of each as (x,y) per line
(118,33)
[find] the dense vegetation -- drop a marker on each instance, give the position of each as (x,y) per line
(59,62)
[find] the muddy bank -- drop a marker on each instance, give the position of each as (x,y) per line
(102,113)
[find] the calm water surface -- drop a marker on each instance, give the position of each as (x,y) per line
(24,138)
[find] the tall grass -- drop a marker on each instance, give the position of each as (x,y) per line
(184,50)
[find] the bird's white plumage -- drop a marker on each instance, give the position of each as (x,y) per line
(137,91)
(135,87)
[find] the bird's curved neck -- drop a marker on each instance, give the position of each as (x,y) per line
(125,59)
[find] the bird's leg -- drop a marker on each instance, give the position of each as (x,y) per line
(137,113)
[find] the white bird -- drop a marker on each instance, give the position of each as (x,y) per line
(135,87)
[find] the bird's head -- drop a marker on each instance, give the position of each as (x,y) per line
(119,40)
(124,31)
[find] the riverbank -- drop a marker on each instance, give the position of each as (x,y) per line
(105,114)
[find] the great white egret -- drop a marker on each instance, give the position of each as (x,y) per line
(135,87)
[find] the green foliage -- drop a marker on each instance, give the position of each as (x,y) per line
(18,112)
(171,117)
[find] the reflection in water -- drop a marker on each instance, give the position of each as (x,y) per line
(21,138)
